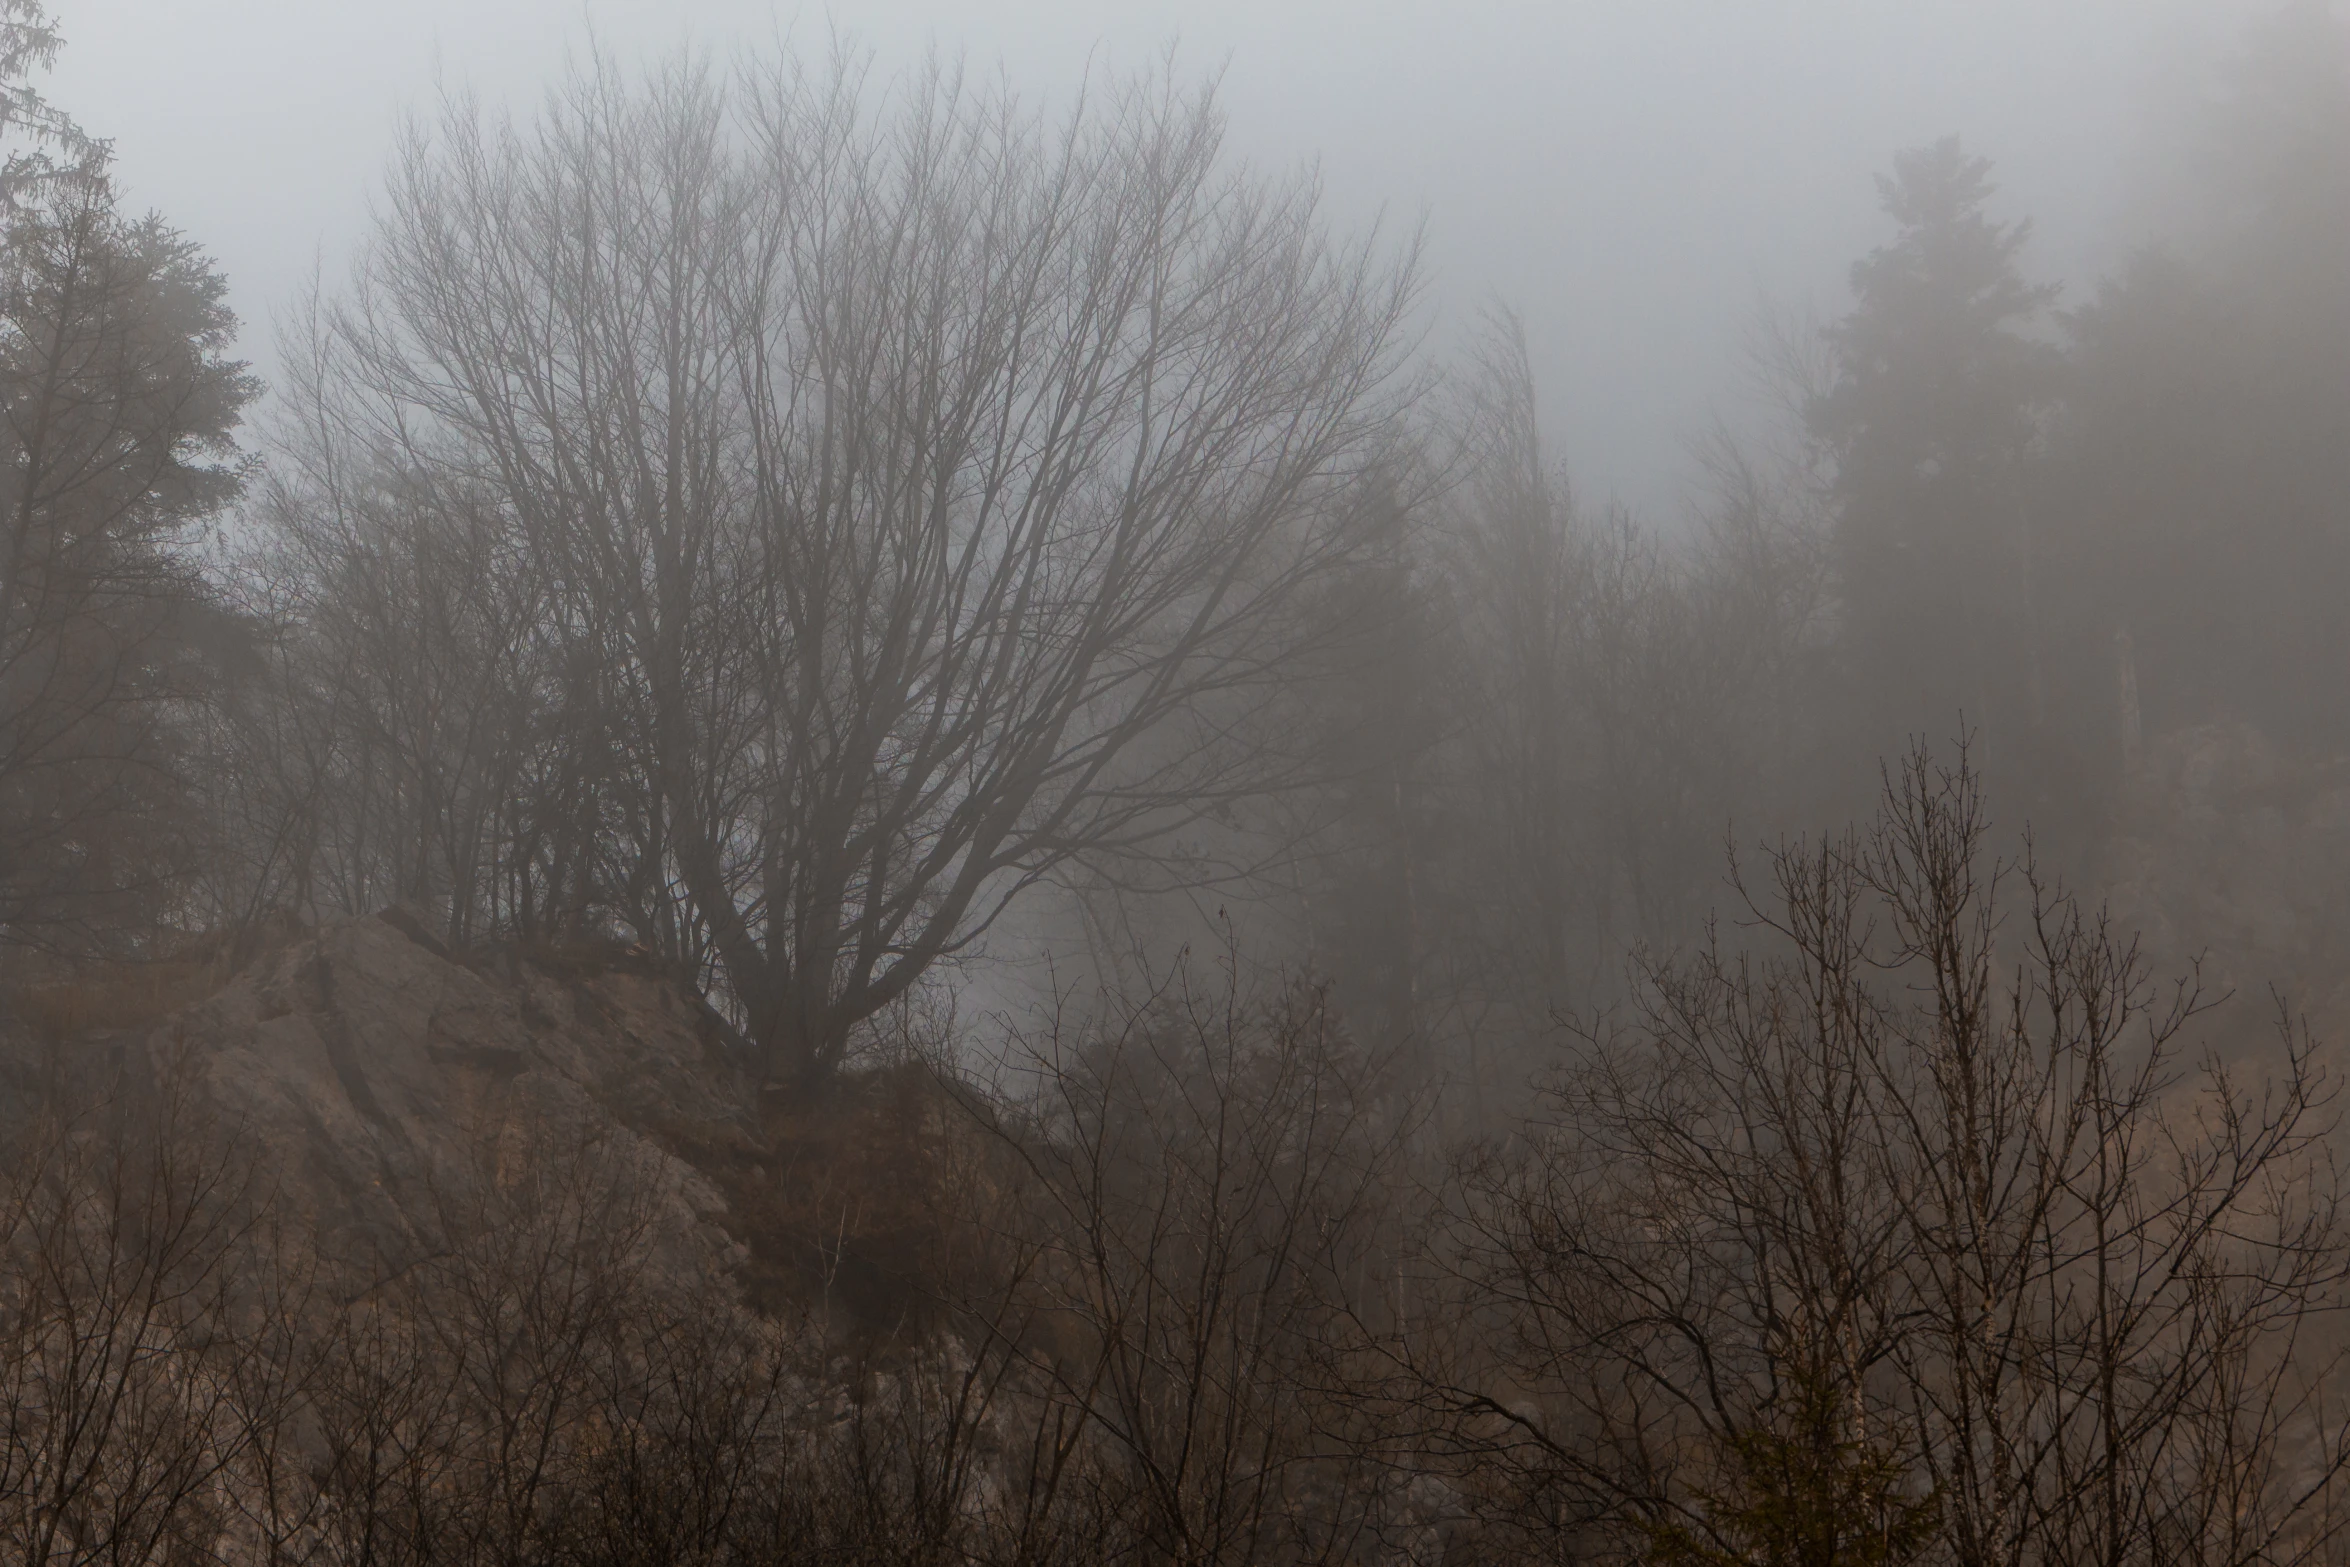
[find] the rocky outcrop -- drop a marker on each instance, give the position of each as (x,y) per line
(385,1088)
(378,1080)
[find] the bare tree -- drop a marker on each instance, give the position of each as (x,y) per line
(1904,1238)
(421,748)
(1627,693)
(1215,1188)
(926,483)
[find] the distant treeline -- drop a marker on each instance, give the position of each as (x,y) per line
(782,516)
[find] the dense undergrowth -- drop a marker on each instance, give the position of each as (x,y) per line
(1910,1232)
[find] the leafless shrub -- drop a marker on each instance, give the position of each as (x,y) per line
(138,1292)
(1213,1183)
(1908,1237)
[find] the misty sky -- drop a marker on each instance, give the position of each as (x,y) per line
(1632,175)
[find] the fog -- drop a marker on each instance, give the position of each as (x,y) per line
(1245,786)
(1633,179)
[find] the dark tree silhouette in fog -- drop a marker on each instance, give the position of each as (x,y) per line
(924,484)
(118,403)
(1932,420)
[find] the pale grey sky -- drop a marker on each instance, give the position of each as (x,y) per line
(1630,174)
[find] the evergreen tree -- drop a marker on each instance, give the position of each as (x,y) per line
(118,406)
(1933,421)
(2204,455)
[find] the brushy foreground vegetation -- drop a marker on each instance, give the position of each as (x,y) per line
(1907,1234)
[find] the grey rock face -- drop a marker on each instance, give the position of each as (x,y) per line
(379,1081)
